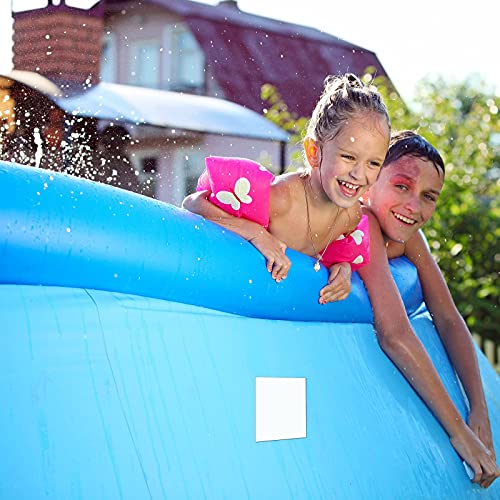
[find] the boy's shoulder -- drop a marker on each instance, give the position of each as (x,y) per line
(394,248)
(352,218)
(366,210)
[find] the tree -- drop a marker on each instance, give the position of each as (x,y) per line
(277,112)
(462,121)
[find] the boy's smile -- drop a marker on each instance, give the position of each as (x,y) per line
(404,196)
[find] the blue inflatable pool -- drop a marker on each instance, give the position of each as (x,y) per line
(144,352)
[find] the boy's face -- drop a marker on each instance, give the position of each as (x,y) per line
(347,165)
(404,196)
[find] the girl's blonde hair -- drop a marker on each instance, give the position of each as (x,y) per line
(343,98)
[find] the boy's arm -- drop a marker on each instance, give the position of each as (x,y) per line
(399,342)
(454,334)
(268,245)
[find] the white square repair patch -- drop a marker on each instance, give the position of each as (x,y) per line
(280,408)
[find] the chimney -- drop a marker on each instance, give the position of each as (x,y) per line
(230,4)
(60,42)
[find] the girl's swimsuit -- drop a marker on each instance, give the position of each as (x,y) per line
(241,188)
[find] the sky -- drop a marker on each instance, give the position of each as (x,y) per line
(413,40)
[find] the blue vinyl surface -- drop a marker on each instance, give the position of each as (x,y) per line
(131,337)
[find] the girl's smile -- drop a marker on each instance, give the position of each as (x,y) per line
(348,190)
(346,166)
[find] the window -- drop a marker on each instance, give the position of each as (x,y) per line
(22,5)
(146,165)
(149,165)
(7,109)
(108,58)
(81,4)
(147,175)
(187,65)
(194,163)
(145,64)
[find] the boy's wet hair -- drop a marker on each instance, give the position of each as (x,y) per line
(343,98)
(409,143)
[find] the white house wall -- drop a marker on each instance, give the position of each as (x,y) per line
(174,155)
(154,23)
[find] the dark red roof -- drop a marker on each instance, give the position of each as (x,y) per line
(244,51)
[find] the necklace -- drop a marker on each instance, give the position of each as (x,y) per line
(319,256)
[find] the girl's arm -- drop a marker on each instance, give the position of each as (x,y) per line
(454,334)
(339,283)
(398,340)
(268,245)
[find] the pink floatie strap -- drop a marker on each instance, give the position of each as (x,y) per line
(239,186)
(353,248)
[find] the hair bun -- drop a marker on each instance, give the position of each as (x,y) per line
(353,80)
(343,97)
(333,83)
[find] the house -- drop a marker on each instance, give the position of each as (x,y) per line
(139,73)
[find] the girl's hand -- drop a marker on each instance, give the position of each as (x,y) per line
(480,459)
(339,283)
(479,422)
(273,249)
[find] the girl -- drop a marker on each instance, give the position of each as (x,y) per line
(316,212)
(400,202)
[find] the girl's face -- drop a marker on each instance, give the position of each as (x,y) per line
(347,165)
(404,196)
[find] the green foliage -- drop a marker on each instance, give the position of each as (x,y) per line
(462,121)
(277,112)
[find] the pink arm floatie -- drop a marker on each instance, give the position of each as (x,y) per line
(353,248)
(239,186)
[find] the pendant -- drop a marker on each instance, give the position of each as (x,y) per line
(317,267)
